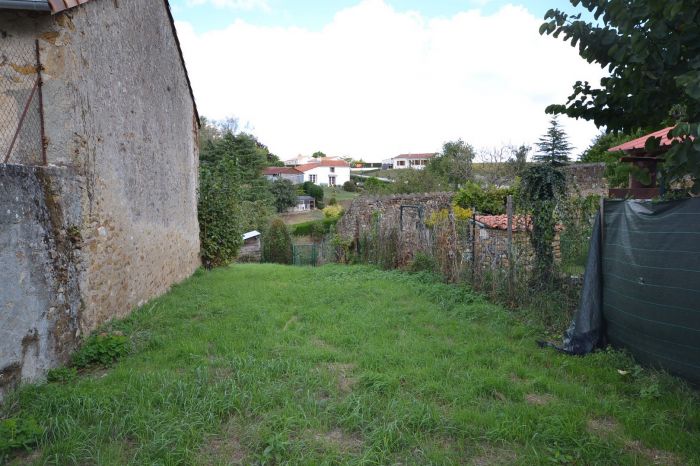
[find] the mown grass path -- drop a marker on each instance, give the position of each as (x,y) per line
(350,365)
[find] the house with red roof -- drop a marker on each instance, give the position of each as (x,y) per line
(284,173)
(325,171)
(416,161)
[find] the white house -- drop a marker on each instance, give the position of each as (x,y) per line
(417,161)
(325,171)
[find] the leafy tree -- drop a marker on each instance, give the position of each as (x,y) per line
(219,214)
(541,186)
(518,161)
(652,52)
(277,243)
(350,186)
(318,155)
(415,181)
(315,191)
(454,164)
(490,201)
(374,185)
(553,147)
(285,195)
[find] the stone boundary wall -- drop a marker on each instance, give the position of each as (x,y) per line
(587,178)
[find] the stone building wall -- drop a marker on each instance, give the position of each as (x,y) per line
(382,215)
(121,120)
(587,178)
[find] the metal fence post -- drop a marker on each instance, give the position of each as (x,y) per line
(40,84)
(511,276)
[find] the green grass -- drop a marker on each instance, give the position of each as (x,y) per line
(268,364)
(338,193)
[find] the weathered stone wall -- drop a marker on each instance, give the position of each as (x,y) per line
(120,115)
(384,214)
(40,250)
(587,178)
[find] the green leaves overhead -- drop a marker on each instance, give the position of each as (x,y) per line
(651,49)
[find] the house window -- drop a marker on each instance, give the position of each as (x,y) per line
(312,178)
(331,181)
(332,169)
(400,163)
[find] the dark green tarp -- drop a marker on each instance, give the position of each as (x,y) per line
(651,282)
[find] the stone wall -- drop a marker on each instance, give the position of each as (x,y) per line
(40,252)
(404,214)
(120,117)
(587,178)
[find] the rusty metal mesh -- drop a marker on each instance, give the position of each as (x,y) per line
(21,140)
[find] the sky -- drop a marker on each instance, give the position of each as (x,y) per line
(371,79)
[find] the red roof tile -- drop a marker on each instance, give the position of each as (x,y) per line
(500,222)
(639,143)
(322,163)
(281,171)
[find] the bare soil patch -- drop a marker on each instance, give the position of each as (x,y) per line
(652,455)
(603,425)
(343,373)
(340,440)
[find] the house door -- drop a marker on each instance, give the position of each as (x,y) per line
(331,181)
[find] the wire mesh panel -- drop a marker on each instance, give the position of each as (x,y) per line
(21,118)
(305,254)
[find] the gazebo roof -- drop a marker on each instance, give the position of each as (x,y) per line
(639,144)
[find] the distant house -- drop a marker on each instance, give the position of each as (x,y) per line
(416,161)
(328,172)
(284,173)
(305,203)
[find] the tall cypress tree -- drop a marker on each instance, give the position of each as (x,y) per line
(553,147)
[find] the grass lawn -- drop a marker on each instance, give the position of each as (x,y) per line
(338,193)
(267,364)
(293,218)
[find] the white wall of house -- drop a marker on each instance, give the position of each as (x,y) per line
(417,164)
(322,175)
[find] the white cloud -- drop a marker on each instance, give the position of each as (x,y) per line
(233,4)
(375,82)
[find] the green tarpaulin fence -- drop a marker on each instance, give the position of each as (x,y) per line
(651,282)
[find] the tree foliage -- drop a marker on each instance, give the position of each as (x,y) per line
(541,186)
(651,49)
(277,243)
(315,191)
(454,164)
(234,197)
(285,195)
(490,200)
(553,147)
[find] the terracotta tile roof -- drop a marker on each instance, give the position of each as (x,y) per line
(639,143)
(60,5)
(429,155)
(322,163)
(500,222)
(281,171)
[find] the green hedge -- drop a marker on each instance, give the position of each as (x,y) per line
(314,227)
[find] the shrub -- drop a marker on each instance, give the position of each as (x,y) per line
(102,349)
(333,211)
(314,191)
(333,201)
(285,195)
(277,243)
(18,433)
(490,200)
(313,227)
(350,186)
(423,262)
(62,374)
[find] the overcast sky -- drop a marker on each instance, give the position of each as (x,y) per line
(375,78)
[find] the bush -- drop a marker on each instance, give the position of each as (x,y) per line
(277,243)
(333,211)
(102,349)
(285,195)
(313,227)
(350,186)
(18,433)
(423,262)
(333,201)
(314,191)
(62,374)
(490,200)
